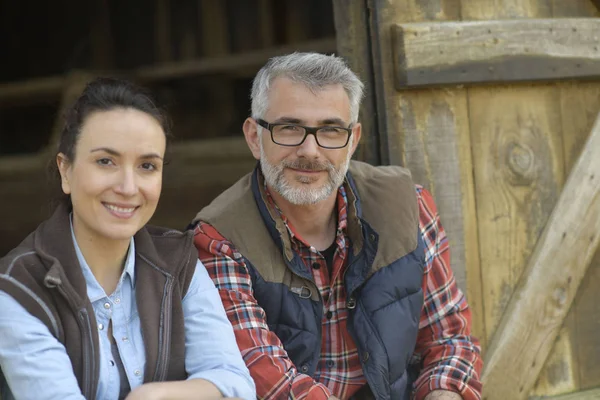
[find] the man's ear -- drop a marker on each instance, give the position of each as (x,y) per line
(64,168)
(250,128)
(356,134)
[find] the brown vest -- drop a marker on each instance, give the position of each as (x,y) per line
(44,276)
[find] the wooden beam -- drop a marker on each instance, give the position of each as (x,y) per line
(538,307)
(450,53)
(593,394)
(40,89)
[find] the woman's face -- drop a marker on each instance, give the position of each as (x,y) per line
(115,178)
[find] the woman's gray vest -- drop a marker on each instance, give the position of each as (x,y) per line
(383,276)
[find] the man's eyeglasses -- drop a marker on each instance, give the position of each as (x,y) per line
(328,137)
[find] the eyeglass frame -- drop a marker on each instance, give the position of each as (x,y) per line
(308,130)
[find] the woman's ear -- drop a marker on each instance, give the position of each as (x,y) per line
(64,168)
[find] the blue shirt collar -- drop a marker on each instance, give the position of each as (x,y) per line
(95,291)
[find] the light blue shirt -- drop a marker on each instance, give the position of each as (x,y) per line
(36,365)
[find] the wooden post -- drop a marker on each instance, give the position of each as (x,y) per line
(352,27)
(548,286)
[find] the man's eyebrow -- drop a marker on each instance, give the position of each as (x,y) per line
(332,121)
(326,121)
(287,120)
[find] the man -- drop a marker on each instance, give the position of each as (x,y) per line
(334,274)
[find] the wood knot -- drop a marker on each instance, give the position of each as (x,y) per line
(520,161)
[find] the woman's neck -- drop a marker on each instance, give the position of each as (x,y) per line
(105,258)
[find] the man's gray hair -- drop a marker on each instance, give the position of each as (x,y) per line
(313,70)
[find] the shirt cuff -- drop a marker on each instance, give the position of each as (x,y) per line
(433,384)
(229,383)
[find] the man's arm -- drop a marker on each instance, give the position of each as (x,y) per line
(273,372)
(449,356)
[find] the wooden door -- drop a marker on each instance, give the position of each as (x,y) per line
(490,103)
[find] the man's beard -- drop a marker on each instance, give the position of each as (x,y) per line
(274,175)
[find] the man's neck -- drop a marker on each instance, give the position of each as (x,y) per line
(316,223)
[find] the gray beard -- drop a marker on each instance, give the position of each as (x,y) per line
(274,175)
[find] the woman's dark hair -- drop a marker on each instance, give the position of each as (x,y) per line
(103,94)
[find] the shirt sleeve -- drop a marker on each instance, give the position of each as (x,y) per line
(449,355)
(34,363)
(275,375)
(211,352)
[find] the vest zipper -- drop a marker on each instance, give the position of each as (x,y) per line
(164,339)
(88,351)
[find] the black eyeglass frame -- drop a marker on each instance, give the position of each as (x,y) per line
(308,130)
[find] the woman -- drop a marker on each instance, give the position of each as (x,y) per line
(97,305)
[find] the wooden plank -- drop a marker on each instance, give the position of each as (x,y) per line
(429,54)
(573,356)
(352,27)
(574,8)
(586,395)
(266,23)
(228,63)
(548,286)
(162,33)
(580,103)
(428,132)
(213,28)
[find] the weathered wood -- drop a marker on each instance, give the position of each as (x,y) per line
(449,53)
(352,27)
(517,160)
(549,284)
(428,132)
(586,395)
(580,104)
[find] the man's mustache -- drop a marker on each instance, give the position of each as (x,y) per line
(307,165)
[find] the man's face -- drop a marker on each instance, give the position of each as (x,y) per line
(305,174)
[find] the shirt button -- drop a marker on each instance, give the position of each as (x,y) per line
(125,339)
(112,363)
(137,372)
(316,265)
(329,314)
(330,363)
(117,301)
(100,327)
(107,305)
(304,368)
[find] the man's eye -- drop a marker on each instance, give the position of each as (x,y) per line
(290,128)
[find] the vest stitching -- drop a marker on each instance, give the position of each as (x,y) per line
(10,267)
(36,298)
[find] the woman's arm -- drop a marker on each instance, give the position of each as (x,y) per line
(35,364)
(212,358)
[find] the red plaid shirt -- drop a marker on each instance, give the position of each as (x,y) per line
(449,357)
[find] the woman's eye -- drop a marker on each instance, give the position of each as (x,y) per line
(104,161)
(149,166)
